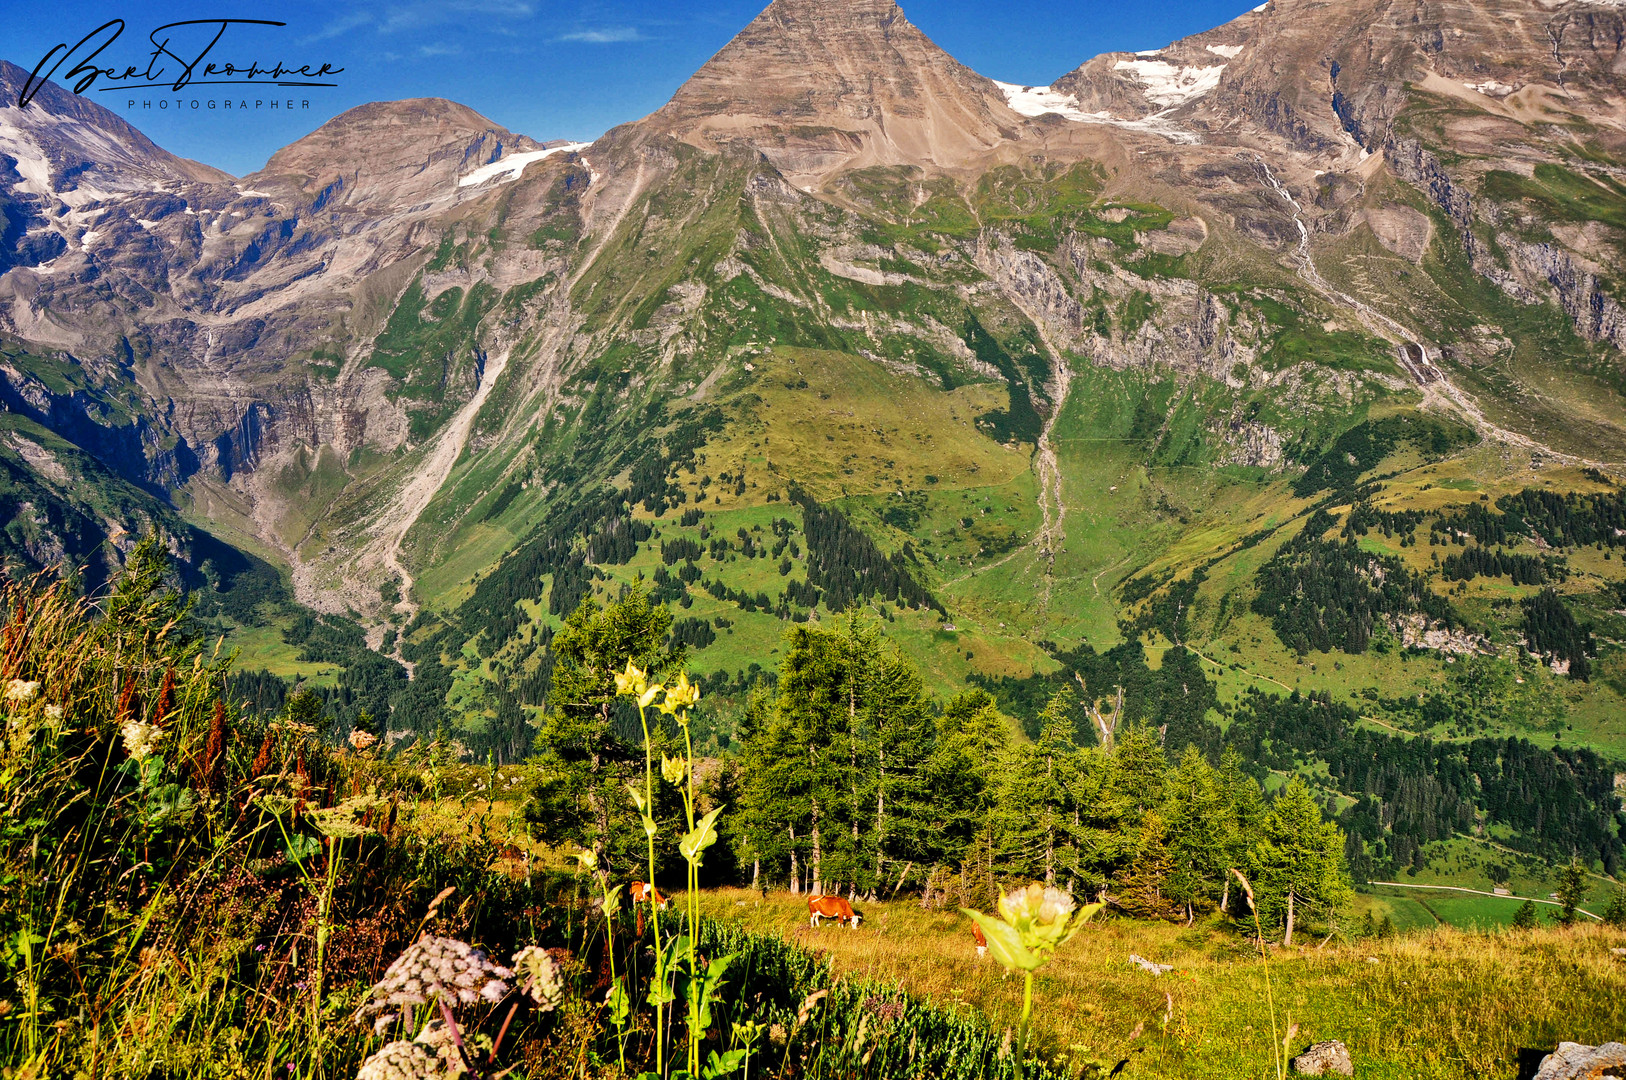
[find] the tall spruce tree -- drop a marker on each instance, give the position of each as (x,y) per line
(1571,891)
(971,735)
(1244,813)
(839,784)
(899,730)
(1143,886)
(775,806)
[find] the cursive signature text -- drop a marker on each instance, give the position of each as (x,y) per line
(178,57)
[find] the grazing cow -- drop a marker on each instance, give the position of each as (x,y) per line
(982,942)
(643,891)
(831,907)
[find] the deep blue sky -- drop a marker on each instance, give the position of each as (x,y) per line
(546,68)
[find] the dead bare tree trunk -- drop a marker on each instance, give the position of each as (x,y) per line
(1105,724)
(880,820)
(926,893)
(818,853)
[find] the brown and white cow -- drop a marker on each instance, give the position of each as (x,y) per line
(831,907)
(646,892)
(982,942)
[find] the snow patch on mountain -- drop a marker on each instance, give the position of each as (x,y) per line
(1230,52)
(1040,100)
(32,165)
(1171,85)
(509,168)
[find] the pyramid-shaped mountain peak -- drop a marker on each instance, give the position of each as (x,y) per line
(817,85)
(390,152)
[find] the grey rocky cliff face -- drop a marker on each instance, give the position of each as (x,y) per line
(228,305)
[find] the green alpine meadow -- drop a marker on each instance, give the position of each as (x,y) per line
(866,571)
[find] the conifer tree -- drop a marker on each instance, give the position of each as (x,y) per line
(1036,817)
(586,764)
(818,690)
(971,735)
(1139,767)
(1615,914)
(1244,812)
(1525,917)
(1143,887)
(901,736)
(1300,859)
(1198,831)
(1571,891)
(840,780)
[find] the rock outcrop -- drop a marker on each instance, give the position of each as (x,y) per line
(1329,1058)
(1577,1061)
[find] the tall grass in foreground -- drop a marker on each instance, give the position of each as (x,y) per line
(184,892)
(187,892)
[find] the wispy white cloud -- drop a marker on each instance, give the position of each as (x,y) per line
(341,26)
(415,16)
(439,50)
(606,36)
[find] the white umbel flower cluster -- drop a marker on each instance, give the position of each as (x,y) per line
(22,691)
(430,968)
(141,739)
(538,976)
(403,1060)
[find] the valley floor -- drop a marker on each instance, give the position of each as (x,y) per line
(1439,1003)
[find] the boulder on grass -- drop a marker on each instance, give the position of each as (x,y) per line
(1577,1061)
(1325,1059)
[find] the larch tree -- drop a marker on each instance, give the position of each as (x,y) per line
(1244,813)
(1300,860)
(1195,814)
(971,734)
(1143,885)
(1035,817)
(901,733)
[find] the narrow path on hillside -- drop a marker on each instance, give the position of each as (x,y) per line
(991,566)
(1481,892)
(1243,670)
(1095,582)
(1433,381)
